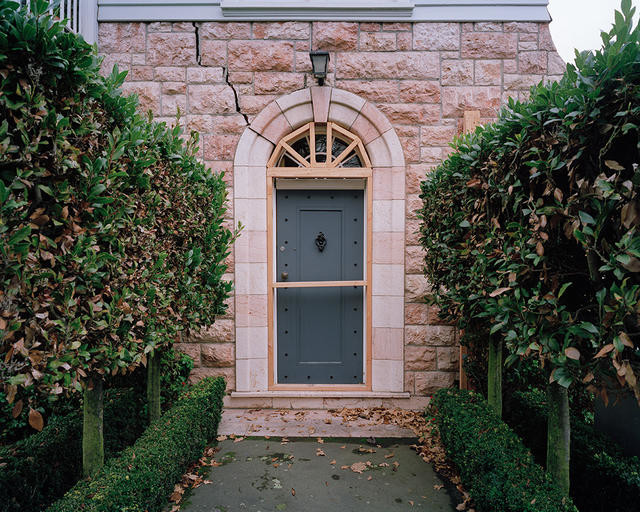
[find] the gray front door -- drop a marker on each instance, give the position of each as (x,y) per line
(320,237)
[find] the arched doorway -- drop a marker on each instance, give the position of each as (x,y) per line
(319,300)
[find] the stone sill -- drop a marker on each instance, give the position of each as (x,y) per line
(319,394)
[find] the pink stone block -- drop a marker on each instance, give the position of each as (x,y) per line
(250,183)
(261,55)
(388,248)
(148,94)
(423,91)
(419,358)
(416,288)
(213,53)
(219,147)
(489,45)
(448,358)
(370,123)
(320,98)
(488,72)
(218,355)
(277,82)
(388,183)
(457,72)
(251,310)
(387,311)
(281,30)
(388,375)
(251,247)
(211,99)
(121,37)
(225,30)
(436,36)
(251,278)
(335,35)
(387,280)
(390,65)
(427,383)
(344,108)
(388,343)
(296,108)
(533,62)
(271,123)
(377,41)
(172,49)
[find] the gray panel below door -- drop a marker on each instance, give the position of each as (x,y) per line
(320,335)
(320,330)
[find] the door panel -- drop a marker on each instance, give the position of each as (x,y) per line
(320,330)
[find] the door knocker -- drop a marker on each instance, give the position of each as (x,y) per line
(321,241)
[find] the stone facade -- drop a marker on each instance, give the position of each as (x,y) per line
(421,76)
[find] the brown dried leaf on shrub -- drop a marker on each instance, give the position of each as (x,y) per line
(36,420)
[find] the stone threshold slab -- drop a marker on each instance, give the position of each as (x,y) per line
(319,394)
(308,423)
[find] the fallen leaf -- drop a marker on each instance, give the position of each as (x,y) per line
(36,420)
(411,503)
(358,467)
(389,456)
(437,487)
(343,446)
(17,409)
(319,453)
(344,467)
(221,438)
(238,439)
(396,464)
(320,440)
(369,478)
(572,353)
(333,461)
(293,492)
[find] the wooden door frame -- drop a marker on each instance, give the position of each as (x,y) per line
(319,171)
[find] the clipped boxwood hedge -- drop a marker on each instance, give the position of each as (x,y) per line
(602,478)
(41,468)
(142,478)
(497,470)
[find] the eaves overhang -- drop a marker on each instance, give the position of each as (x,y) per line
(323,10)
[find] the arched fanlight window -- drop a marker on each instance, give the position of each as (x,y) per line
(308,146)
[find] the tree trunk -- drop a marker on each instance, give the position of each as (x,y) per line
(153,386)
(494,375)
(92,439)
(558,435)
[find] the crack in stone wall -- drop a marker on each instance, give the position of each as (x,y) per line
(197,32)
(225,72)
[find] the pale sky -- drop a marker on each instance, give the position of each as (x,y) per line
(578,23)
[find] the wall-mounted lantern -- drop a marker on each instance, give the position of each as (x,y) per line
(320,64)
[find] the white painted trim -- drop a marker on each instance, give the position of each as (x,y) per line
(325,10)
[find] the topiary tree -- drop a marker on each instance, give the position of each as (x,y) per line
(112,232)
(531,229)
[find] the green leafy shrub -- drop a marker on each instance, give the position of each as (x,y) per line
(602,477)
(112,231)
(40,469)
(144,475)
(497,470)
(531,225)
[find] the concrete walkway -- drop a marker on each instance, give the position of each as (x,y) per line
(264,475)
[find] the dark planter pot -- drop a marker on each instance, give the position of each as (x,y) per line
(621,421)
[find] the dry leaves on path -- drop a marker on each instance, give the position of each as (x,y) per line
(429,446)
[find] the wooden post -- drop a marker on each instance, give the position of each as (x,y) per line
(470,120)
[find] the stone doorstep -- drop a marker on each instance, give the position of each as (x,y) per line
(303,423)
(323,400)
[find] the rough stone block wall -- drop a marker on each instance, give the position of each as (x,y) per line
(423,76)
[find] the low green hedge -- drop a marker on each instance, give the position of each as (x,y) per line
(142,478)
(41,468)
(497,470)
(602,478)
